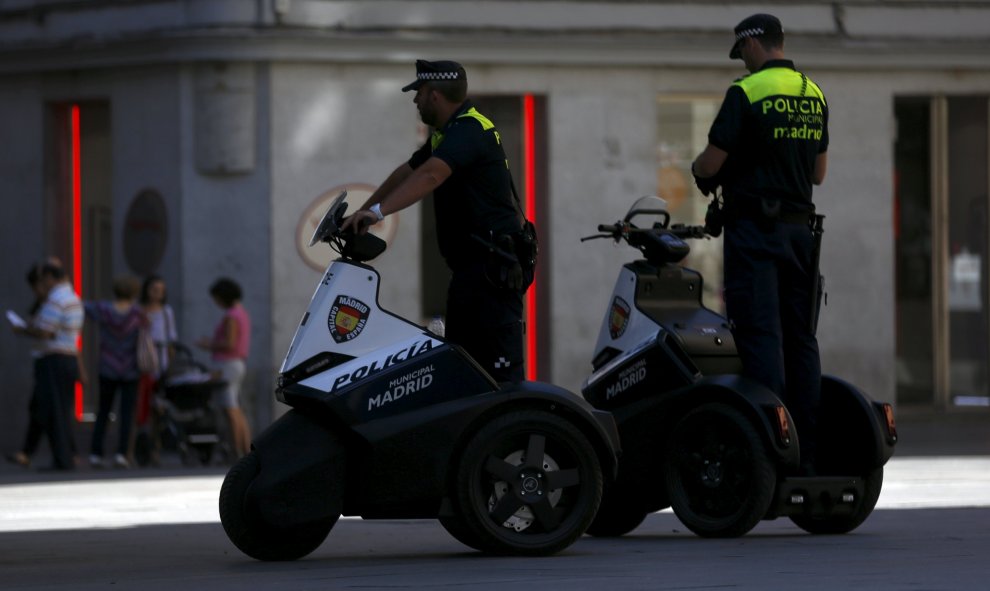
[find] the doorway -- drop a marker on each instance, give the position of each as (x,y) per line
(521,122)
(79,213)
(941,193)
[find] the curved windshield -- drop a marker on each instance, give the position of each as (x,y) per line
(648,210)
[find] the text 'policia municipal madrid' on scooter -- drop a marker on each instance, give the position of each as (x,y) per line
(389,421)
(718,448)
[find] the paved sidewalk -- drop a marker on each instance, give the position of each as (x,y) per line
(922,434)
(157,529)
(126,499)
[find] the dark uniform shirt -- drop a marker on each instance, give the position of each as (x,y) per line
(477,197)
(774,124)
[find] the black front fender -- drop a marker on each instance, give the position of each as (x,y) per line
(755,401)
(852,429)
(598,425)
(302,471)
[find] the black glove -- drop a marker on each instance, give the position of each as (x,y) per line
(706,185)
(714,218)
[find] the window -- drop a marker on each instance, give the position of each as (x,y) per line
(682,132)
(940,202)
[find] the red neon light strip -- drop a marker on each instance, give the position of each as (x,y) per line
(76,227)
(529,194)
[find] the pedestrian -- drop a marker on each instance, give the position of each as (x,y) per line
(163,333)
(119,322)
(35,428)
(55,329)
(229,347)
(483,236)
(161,319)
(766,149)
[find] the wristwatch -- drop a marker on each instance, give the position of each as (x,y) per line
(377,210)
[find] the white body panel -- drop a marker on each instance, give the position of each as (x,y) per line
(357,369)
(381,330)
(639,332)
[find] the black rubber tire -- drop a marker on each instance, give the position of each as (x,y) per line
(719,478)
(842,524)
(253,536)
(565,479)
(617,516)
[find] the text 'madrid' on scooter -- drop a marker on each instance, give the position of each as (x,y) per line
(389,420)
(696,435)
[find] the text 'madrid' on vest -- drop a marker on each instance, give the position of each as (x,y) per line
(787,101)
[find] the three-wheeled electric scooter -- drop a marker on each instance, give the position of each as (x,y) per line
(720,449)
(390,421)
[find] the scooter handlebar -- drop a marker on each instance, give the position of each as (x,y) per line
(620,231)
(682,231)
(613,231)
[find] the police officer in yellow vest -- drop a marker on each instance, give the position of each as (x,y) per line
(766,149)
(479,220)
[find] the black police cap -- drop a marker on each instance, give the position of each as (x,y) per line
(757,25)
(435,72)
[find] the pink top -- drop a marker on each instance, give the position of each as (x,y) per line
(239,315)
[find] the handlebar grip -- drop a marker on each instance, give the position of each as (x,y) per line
(688,231)
(607,228)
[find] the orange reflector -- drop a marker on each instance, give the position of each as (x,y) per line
(888,414)
(783,425)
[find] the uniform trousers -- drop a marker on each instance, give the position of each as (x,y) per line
(487,322)
(767,268)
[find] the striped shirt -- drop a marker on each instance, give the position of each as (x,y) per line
(61,314)
(118,339)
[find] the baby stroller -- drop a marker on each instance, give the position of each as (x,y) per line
(186,417)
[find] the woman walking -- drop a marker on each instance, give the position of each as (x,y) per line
(119,321)
(163,333)
(229,348)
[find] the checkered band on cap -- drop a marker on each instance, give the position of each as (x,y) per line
(754,32)
(438,75)
(441,71)
(758,25)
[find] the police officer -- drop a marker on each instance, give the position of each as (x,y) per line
(766,149)
(478,218)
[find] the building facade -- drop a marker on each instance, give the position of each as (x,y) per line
(200,138)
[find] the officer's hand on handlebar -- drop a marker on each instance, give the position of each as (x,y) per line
(706,185)
(359,221)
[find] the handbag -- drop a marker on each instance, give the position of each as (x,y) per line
(147,353)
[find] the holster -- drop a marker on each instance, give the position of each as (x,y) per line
(818,295)
(510,259)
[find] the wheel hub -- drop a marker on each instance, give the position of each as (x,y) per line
(529,485)
(711,475)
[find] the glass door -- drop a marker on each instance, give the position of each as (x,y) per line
(966,273)
(913,251)
(682,131)
(79,218)
(941,180)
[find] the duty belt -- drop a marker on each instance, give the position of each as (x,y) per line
(756,210)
